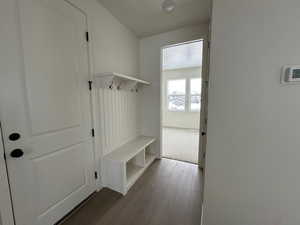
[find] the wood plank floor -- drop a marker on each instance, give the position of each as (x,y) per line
(169,193)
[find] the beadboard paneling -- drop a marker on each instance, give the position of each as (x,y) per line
(117,118)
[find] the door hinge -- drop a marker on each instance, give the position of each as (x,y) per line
(87,36)
(96,175)
(93,132)
(206,84)
(208,44)
(90,85)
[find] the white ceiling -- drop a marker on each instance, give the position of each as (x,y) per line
(145,17)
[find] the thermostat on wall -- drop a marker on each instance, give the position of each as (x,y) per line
(290,74)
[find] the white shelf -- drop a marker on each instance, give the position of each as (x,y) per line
(119,81)
(129,150)
(122,76)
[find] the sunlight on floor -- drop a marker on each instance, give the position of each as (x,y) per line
(181,144)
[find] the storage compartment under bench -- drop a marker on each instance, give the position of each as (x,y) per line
(126,164)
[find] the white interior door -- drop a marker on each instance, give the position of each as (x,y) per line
(47,103)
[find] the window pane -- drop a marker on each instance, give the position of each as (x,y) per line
(195,103)
(196,86)
(176,87)
(176,103)
(183,56)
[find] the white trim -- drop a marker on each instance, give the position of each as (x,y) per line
(6,212)
(204,102)
(90,43)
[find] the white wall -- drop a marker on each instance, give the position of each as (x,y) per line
(117,118)
(113,46)
(187,119)
(252,168)
(150,49)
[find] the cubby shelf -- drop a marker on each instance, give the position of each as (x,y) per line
(132,174)
(126,164)
(149,158)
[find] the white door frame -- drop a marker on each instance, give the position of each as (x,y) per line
(93,98)
(204,104)
(6,212)
(204,96)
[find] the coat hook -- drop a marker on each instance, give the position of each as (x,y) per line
(111,85)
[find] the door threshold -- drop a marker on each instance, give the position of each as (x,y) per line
(165,157)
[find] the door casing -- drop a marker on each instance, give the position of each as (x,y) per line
(204,98)
(6,212)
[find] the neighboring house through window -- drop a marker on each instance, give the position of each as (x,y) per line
(184,95)
(176,95)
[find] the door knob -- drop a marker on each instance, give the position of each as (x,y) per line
(14,136)
(203,133)
(17,153)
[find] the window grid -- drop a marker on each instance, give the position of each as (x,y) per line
(184,102)
(176,98)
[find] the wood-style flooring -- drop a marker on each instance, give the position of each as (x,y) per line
(169,193)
